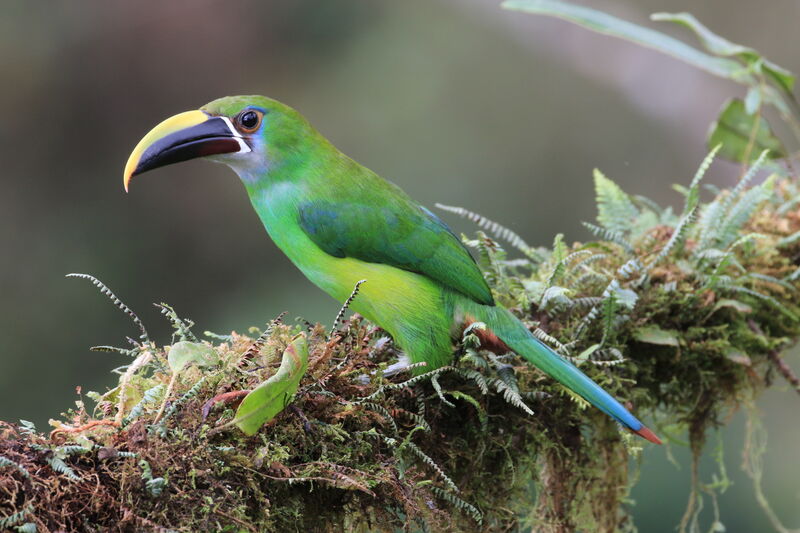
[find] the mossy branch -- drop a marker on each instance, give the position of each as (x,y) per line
(685,317)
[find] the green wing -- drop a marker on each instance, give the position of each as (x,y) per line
(400,234)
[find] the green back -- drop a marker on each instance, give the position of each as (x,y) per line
(395,231)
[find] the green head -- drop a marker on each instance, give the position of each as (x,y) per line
(251,134)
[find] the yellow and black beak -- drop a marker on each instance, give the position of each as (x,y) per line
(185,136)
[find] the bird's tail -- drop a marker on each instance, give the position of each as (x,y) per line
(516,336)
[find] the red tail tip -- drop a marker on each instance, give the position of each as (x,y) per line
(645,433)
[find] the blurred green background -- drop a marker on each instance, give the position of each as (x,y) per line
(457,101)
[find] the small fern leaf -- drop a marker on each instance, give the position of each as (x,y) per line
(766,298)
(677,238)
(459,504)
(345,306)
(615,210)
(741,211)
(183,327)
(609,235)
(5,461)
(499,231)
(511,396)
(431,463)
(58,464)
(116,301)
(384,413)
(7,522)
(693,195)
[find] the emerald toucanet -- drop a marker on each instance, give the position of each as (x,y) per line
(339,223)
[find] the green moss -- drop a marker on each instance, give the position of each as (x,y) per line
(684,324)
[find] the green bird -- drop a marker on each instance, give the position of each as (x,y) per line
(340,223)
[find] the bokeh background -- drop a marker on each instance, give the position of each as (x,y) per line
(457,101)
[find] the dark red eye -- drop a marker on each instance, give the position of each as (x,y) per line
(249,120)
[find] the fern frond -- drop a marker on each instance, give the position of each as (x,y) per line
(591,278)
(506,373)
(113,349)
(629,268)
(150,396)
(161,428)
(555,297)
(693,194)
(460,504)
(58,464)
(345,306)
(583,264)
(472,357)
(116,301)
(422,456)
(419,420)
(498,230)
(483,417)
(789,240)
(549,340)
(217,336)
(708,224)
(750,174)
(610,309)
(7,522)
(69,450)
(678,236)
(586,301)
(5,461)
(612,290)
(560,269)
(788,206)
(609,235)
(741,212)
(438,388)
(717,220)
(511,396)
(384,413)
(766,298)
(183,327)
(155,486)
(794,275)
(474,376)
(408,383)
(255,348)
(615,210)
(770,279)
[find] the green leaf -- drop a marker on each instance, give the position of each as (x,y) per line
(737,356)
(711,41)
(734,128)
(722,47)
(733,304)
(271,397)
(184,352)
(584,355)
(606,24)
(656,335)
(752,101)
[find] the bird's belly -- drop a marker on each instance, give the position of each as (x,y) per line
(389,296)
(415,310)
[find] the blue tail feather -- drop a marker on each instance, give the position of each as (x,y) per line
(511,331)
